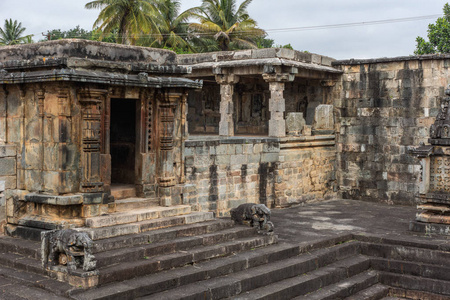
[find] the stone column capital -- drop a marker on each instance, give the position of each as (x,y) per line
(278,77)
(227,79)
(328,82)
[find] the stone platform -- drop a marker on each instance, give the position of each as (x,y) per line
(330,250)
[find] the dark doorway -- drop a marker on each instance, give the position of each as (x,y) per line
(123,140)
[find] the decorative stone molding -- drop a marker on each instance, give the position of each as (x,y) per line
(91,101)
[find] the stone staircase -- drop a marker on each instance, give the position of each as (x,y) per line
(215,259)
(347,267)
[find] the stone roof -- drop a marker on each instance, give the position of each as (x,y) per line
(258,57)
(93,62)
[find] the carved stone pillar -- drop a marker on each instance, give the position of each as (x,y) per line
(227,82)
(3,116)
(91,106)
(277,106)
(166,179)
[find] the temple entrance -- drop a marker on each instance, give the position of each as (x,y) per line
(123,141)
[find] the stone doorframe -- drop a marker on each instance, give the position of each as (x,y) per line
(156,131)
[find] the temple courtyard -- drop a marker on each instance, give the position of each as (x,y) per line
(370,240)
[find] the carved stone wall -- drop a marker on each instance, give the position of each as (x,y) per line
(386,106)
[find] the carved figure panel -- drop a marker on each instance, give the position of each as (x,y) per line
(440,174)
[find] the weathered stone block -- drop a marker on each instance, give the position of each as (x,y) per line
(7,166)
(9,182)
(295,123)
(323,118)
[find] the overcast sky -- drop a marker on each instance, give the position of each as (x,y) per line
(369,41)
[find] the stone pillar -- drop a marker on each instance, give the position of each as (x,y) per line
(166,179)
(227,82)
(3,116)
(91,104)
(277,106)
(184,134)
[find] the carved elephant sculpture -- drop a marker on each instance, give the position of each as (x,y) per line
(255,215)
(69,248)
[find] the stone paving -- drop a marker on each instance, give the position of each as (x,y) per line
(301,224)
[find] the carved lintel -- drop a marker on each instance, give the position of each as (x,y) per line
(227,79)
(278,77)
(328,83)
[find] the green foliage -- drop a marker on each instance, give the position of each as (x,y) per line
(438,36)
(80,33)
(12,33)
(131,18)
(224,26)
(263,42)
(171,27)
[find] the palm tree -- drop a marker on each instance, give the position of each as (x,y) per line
(229,26)
(172,27)
(131,18)
(11,34)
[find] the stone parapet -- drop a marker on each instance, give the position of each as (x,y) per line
(281,53)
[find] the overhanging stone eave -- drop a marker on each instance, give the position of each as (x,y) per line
(71,75)
(92,64)
(262,63)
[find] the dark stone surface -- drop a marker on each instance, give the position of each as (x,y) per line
(301,229)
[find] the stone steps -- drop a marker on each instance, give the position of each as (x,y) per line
(374,292)
(23,247)
(149,265)
(405,253)
(135,203)
(136,215)
(98,233)
(399,293)
(154,283)
(345,288)
(268,274)
(130,254)
(161,235)
(440,272)
(31,284)
(416,283)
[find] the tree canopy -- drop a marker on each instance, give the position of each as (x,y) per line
(131,18)
(438,36)
(224,26)
(12,33)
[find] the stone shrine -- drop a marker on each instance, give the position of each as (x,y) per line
(434,189)
(82,117)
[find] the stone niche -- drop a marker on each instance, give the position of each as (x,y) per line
(59,104)
(434,189)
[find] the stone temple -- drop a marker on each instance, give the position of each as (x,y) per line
(120,163)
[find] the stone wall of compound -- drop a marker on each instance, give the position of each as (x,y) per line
(224,173)
(7,177)
(386,106)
